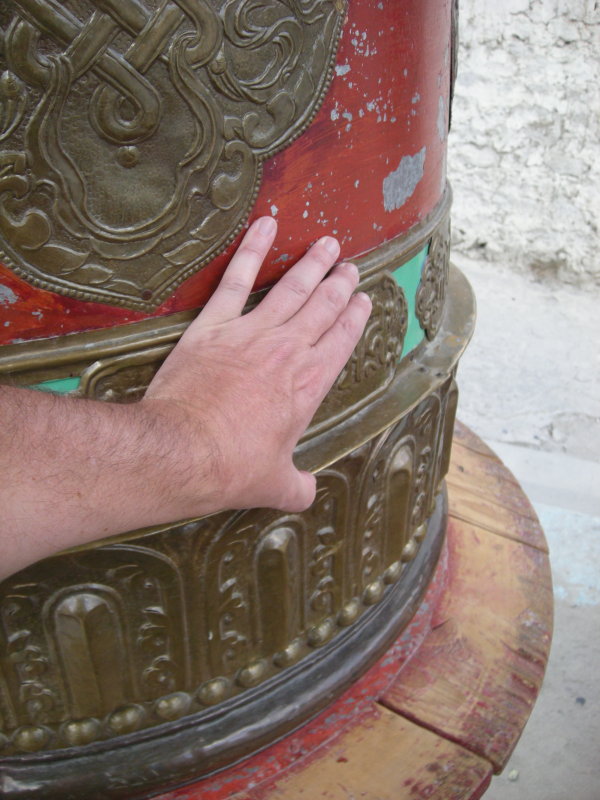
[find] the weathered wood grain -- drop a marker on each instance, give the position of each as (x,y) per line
(475,678)
(464,436)
(384,758)
(489,478)
(489,475)
(489,513)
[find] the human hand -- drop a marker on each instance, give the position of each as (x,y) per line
(246,387)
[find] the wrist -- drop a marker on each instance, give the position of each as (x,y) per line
(186,464)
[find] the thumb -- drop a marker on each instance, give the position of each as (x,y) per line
(301,490)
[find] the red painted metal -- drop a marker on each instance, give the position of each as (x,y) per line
(388,99)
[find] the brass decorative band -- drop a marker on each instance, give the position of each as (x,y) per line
(125,636)
(129,767)
(194,613)
(144,344)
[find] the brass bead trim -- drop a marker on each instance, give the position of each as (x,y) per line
(172,706)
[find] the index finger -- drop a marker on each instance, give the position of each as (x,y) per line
(230,296)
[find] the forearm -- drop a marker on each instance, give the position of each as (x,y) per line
(77,470)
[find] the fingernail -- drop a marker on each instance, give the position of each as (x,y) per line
(330,244)
(365,297)
(351,268)
(266,225)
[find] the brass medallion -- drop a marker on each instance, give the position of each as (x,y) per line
(132,132)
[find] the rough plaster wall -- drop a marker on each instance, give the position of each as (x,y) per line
(524,152)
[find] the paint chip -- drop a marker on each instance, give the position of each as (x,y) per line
(342,69)
(274,210)
(400,184)
(7,296)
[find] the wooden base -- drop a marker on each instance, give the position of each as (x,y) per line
(444,708)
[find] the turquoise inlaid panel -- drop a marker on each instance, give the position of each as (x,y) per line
(60,386)
(407,277)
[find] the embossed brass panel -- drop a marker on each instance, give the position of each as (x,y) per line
(185,99)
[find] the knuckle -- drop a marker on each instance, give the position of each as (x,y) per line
(322,256)
(352,327)
(233,285)
(249,250)
(298,288)
(283,352)
(334,297)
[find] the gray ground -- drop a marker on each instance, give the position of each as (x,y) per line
(530,386)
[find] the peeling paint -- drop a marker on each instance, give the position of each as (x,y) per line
(274,210)
(335,114)
(441,119)
(7,296)
(342,69)
(400,184)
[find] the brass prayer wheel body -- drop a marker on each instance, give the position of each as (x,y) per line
(136,139)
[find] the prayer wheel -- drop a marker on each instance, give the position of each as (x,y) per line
(137,139)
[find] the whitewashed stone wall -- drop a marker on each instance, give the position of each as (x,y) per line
(524,154)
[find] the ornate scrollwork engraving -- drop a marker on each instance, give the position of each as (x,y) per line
(102,196)
(434,282)
(129,635)
(369,371)
(373,364)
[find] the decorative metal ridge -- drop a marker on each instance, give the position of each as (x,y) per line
(425,372)
(40,359)
(175,751)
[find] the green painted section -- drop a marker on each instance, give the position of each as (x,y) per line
(407,277)
(61,386)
